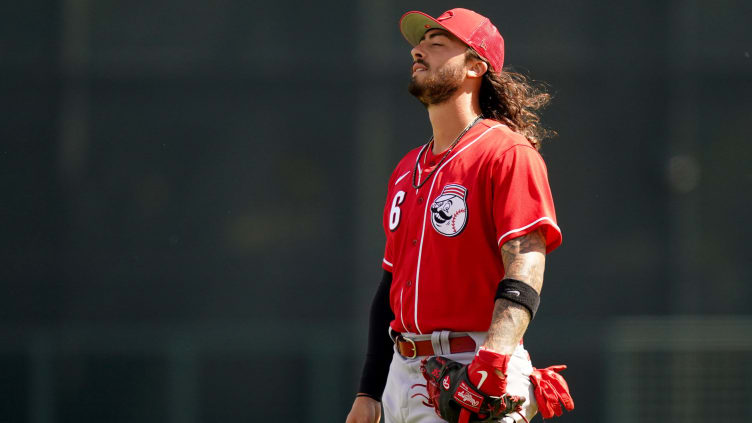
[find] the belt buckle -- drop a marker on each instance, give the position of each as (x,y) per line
(415,348)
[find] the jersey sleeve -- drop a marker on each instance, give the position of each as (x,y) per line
(522,200)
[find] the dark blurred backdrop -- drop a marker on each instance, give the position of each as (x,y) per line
(192,196)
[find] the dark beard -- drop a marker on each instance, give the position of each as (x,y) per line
(436,89)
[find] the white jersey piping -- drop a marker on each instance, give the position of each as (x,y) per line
(387,263)
(402,308)
(527,226)
(425,213)
(420,172)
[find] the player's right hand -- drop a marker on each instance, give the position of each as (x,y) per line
(364,410)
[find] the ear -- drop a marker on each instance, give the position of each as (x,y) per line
(477,69)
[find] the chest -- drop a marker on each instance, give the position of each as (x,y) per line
(440,201)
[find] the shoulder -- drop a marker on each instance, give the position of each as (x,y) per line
(507,151)
(408,159)
(406,164)
(497,143)
(500,139)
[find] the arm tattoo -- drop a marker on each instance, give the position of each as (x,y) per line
(509,323)
(525,260)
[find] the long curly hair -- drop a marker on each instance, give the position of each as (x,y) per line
(514,100)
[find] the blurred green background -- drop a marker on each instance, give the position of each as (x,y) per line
(190,220)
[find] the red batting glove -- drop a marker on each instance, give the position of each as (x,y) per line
(550,388)
(488,372)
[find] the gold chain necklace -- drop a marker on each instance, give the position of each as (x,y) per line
(449,151)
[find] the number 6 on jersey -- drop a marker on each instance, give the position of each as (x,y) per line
(394,214)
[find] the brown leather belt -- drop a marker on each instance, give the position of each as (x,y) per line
(411,349)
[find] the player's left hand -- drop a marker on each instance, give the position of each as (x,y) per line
(454,389)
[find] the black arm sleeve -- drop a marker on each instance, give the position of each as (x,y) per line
(379,354)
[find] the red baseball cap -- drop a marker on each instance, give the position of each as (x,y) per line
(472,28)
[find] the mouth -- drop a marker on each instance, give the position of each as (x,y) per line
(417,67)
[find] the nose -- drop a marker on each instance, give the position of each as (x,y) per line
(416,52)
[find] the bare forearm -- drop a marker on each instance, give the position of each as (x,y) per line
(508,324)
(524,260)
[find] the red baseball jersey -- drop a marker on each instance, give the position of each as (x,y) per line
(443,240)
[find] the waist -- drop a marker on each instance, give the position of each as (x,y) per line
(411,345)
(436,343)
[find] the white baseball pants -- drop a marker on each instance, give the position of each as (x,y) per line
(401,401)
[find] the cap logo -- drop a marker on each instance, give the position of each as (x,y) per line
(446,15)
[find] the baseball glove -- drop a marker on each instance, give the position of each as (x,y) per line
(457,400)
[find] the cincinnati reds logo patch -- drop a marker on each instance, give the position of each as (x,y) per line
(449,210)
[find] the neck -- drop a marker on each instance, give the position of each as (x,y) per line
(451,117)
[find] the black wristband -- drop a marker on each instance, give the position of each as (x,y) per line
(521,293)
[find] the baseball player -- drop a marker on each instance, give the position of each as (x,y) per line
(469,219)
